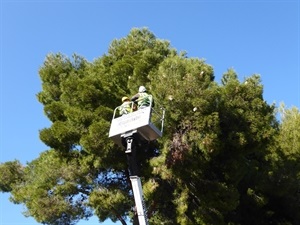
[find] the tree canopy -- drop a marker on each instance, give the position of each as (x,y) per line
(224,158)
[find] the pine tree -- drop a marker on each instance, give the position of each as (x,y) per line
(215,164)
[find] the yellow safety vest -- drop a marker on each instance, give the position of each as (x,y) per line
(125,108)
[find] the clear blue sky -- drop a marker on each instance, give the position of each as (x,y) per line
(257,36)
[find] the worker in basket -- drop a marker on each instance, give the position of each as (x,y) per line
(126,107)
(142,98)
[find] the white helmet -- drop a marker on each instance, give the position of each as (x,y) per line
(142,89)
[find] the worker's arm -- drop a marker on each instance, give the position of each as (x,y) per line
(135,97)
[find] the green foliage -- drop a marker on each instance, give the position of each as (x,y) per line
(290,132)
(51,189)
(283,180)
(220,135)
(11,174)
(107,203)
(223,158)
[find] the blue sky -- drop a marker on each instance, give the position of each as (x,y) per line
(252,37)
